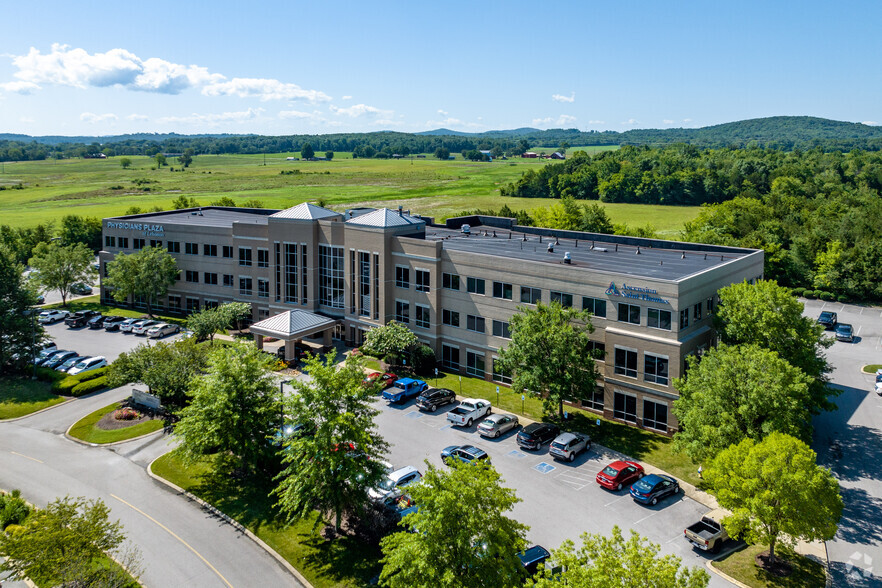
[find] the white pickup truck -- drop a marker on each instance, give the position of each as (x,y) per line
(468,411)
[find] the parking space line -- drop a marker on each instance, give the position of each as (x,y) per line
(647,517)
(414,414)
(617,499)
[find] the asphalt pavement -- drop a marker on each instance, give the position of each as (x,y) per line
(93,342)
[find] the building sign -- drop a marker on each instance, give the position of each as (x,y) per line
(635,293)
(147,229)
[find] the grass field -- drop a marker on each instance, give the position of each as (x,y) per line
(85,429)
(740,565)
(21,395)
(101,188)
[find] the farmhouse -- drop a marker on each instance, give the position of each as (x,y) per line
(530,155)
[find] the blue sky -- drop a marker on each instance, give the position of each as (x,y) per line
(311,67)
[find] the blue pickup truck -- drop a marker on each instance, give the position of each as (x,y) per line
(404,389)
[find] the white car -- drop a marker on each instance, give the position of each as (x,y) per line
(87,365)
(161,330)
(126,325)
(142,327)
(52,316)
(394,482)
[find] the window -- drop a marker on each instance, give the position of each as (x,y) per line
(475,323)
(402,276)
(209,250)
(263,288)
(501,329)
(499,373)
(450,281)
(658,319)
(263,258)
(124,242)
(598,350)
(109,241)
(174,303)
(502,290)
(331,286)
(625,407)
(402,311)
(210,304)
(595,306)
(565,300)
(423,280)
(710,306)
(364,283)
(137,244)
(696,312)
(227,251)
(192,276)
(530,295)
(192,304)
(449,317)
(684,318)
(304,261)
(173,247)
(155,243)
(655,415)
(655,369)
(423,319)
(245,286)
(191,248)
(629,313)
(450,357)
(626,362)
(290,273)
(475,286)
(475,364)
(376,287)
(278,255)
(210,279)
(228,280)
(595,402)
(245,256)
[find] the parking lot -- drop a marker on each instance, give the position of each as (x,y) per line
(92,342)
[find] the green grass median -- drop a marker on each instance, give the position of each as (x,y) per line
(20,396)
(87,429)
(740,565)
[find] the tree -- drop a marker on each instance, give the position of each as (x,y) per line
(165,368)
(776,492)
(59,546)
(306,152)
(551,354)
(463,539)
(329,155)
(442,153)
(224,201)
(125,163)
(770,316)
(523,146)
(182,202)
(79,229)
(146,274)
(21,332)
(391,341)
(235,408)
(613,561)
(58,267)
(736,392)
(186,157)
(332,469)
(252,203)
(209,321)
(160,160)
(595,219)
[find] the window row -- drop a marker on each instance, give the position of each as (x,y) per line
(422,278)
(655,414)
(655,367)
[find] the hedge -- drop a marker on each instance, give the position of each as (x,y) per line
(66,386)
(798,291)
(50,375)
(842,299)
(89,386)
(826,296)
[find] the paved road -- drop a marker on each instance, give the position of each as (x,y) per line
(181,544)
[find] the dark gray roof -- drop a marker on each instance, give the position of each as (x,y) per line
(651,262)
(384,218)
(208,216)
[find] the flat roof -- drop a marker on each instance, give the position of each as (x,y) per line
(668,263)
(207,216)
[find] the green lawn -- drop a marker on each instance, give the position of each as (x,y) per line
(94,303)
(740,565)
(326,564)
(85,428)
(871,369)
(21,395)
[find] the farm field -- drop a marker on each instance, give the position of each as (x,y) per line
(101,188)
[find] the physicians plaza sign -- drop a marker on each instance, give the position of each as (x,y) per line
(148,230)
(635,293)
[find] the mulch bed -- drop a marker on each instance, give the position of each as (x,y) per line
(779,568)
(108,423)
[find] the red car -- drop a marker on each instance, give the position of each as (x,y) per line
(386,379)
(618,474)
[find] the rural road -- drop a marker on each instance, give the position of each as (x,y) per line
(181,544)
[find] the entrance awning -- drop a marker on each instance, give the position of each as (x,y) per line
(292,325)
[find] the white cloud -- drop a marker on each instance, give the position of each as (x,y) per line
(443,112)
(134,116)
(630,121)
(596,122)
(357,110)
(91,117)
(298,114)
(452,122)
(687,120)
(385,122)
(667,121)
(872,123)
(560,121)
(215,118)
(561,98)
(346,98)
(20,87)
(263,88)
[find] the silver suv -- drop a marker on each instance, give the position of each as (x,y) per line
(568,445)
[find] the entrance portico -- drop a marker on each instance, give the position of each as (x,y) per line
(291,327)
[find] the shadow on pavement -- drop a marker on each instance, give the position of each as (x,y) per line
(860,517)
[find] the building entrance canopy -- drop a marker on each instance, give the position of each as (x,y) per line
(292,326)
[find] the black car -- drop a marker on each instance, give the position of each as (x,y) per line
(536,435)
(80,318)
(111,323)
(96,322)
(532,557)
(844,332)
(828,319)
(431,399)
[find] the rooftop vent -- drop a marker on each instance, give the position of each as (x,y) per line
(567,259)
(400,210)
(466,229)
(601,249)
(551,247)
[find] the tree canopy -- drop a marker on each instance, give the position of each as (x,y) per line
(208,321)
(58,267)
(21,332)
(390,340)
(306,151)
(165,368)
(146,274)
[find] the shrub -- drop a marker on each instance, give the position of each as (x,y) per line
(13,509)
(49,375)
(66,383)
(89,386)
(809,294)
(842,299)
(423,359)
(126,414)
(799,291)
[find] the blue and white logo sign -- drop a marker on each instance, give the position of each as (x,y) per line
(635,293)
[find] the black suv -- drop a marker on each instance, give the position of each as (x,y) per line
(111,323)
(536,435)
(96,322)
(828,319)
(431,399)
(80,318)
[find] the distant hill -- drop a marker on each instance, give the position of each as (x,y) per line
(511,133)
(61,139)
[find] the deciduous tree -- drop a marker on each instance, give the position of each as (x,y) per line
(21,333)
(160,160)
(125,163)
(329,155)
(442,153)
(391,340)
(58,267)
(307,151)
(165,368)
(147,274)
(186,157)
(80,229)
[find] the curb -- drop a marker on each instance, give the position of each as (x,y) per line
(724,576)
(236,524)
(30,414)
(112,443)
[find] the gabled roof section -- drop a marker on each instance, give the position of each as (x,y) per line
(384,218)
(306,211)
(292,324)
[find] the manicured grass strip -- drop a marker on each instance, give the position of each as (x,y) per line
(740,566)
(343,562)
(20,396)
(85,429)
(871,369)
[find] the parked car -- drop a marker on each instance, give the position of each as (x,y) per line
(48,317)
(400,505)
(844,332)
(532,557)
(41,299)
(404,389)
(619,473)
(394,482)
(87,365)
(96,322)
(497,424)
(708,534)
(654,487)
(80,318)
(468,411)
(127,325)
(70,363)
(112,323)
(142,327)
(432,398)
(162,330)
(46,355)
(386,379)
(828,319)
(58,359)
(464,453)
(81,289)
(568,445)
(536,435)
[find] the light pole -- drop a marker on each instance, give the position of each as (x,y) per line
(31,312)
(282,400)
